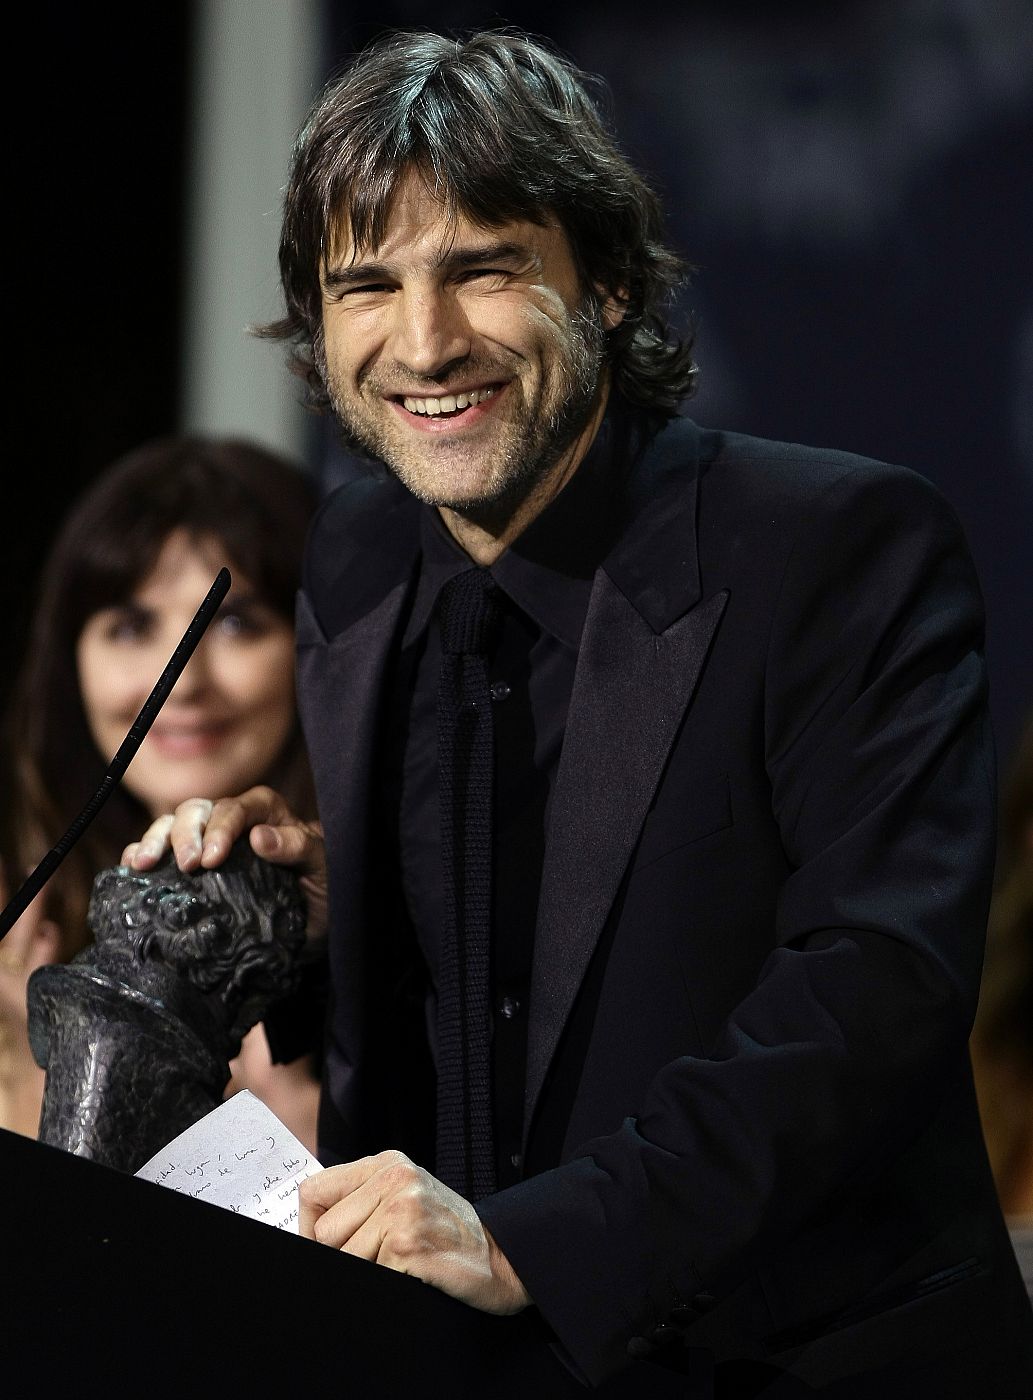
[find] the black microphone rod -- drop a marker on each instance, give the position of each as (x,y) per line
(127,750)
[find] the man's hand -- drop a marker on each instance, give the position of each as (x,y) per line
(200,833)
(387,1209)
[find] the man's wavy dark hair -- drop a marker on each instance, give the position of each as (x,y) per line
(502,129)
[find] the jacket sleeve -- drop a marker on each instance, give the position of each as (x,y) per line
(880,767)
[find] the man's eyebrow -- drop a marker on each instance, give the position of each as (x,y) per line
(355,274)
(454,259)
(497,251)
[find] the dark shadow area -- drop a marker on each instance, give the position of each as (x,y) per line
(98,225)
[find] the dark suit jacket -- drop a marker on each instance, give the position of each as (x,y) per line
(760,928)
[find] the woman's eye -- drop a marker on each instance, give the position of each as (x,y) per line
(249,619)
(232,624)
(127,625)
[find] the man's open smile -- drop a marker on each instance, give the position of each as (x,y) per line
(435,413)
(448,403)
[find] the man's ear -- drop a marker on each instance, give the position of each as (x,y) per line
(613,305)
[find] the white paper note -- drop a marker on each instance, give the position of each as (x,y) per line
(239,1156)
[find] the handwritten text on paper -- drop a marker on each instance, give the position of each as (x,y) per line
(239,1156)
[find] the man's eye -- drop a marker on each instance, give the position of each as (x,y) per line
(497,273)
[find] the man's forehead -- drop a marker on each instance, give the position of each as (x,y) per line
(417,214)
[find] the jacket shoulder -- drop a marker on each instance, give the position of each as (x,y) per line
(790,478)
(362,540)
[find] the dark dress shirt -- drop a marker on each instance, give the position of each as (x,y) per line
(544,579)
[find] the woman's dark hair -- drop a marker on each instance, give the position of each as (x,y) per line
(257,505)
(501,129)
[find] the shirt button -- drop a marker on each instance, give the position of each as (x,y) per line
(509,1007)
(499,690)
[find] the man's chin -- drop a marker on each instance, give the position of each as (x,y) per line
(452,476)
(465,493)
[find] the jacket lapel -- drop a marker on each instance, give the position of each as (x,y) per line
(360,566)
(339,685)
(644,646)
(345,634)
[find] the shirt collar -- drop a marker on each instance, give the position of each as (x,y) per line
(549,569)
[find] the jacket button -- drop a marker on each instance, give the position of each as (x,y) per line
(639,1348)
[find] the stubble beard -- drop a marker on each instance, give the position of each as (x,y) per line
(528,448)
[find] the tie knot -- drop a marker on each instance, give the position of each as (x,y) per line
(468,612)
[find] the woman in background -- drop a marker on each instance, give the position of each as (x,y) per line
(131,564)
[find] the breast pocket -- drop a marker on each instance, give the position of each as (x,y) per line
(675,825)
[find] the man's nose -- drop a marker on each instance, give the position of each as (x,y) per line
(431,333)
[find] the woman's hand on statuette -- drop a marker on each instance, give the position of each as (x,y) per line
(32,941)
(201,833)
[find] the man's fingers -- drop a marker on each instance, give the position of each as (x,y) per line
(352,1225)
(317,1193)
(387,1209)
(288,845)
(181,832)
(201,832)
(231,816)
(189,824)
(152,845)
(336,1204)
(367,1242)
(331,1203)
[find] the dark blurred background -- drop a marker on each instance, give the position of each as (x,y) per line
(854,183)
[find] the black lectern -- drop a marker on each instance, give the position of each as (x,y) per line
(117,1287)
(128,1288)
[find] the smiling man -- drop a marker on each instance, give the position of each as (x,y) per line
(464,359)
(655,789)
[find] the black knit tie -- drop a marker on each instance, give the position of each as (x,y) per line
(468,617)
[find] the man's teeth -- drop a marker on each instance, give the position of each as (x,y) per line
(449,404)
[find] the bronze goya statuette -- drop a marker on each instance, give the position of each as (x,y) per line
(137,1031)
